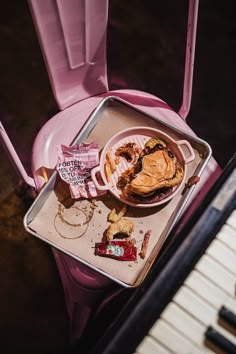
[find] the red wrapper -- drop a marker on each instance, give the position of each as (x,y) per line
(120,250)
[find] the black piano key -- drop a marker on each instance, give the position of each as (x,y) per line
(228,316)
(220,341)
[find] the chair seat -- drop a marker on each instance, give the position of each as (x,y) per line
(64,126)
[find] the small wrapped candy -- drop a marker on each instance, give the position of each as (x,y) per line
(120,250)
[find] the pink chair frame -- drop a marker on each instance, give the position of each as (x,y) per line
(76,64)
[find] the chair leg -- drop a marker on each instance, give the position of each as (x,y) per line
(82,302)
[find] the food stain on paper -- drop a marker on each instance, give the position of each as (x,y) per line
(72,222)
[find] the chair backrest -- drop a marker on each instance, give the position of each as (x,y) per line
(72,35)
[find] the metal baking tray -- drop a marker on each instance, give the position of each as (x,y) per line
(88,218)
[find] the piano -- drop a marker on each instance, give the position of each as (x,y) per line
(187,303)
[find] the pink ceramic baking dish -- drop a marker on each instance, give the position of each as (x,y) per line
(139,135)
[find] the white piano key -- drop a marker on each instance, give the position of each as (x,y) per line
(209,291)
(185,324)
(150,346)
(227,235)
(173,340)
(223,255)
(232,220)
(194,305)
(218,274)
(200,310)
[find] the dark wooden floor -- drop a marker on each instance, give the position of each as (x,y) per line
(146,52)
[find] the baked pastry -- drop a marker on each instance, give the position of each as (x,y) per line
(154,171)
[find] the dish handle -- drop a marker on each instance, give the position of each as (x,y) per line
(94,172)
(191,153)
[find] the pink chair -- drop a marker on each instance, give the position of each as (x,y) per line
(72,36)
